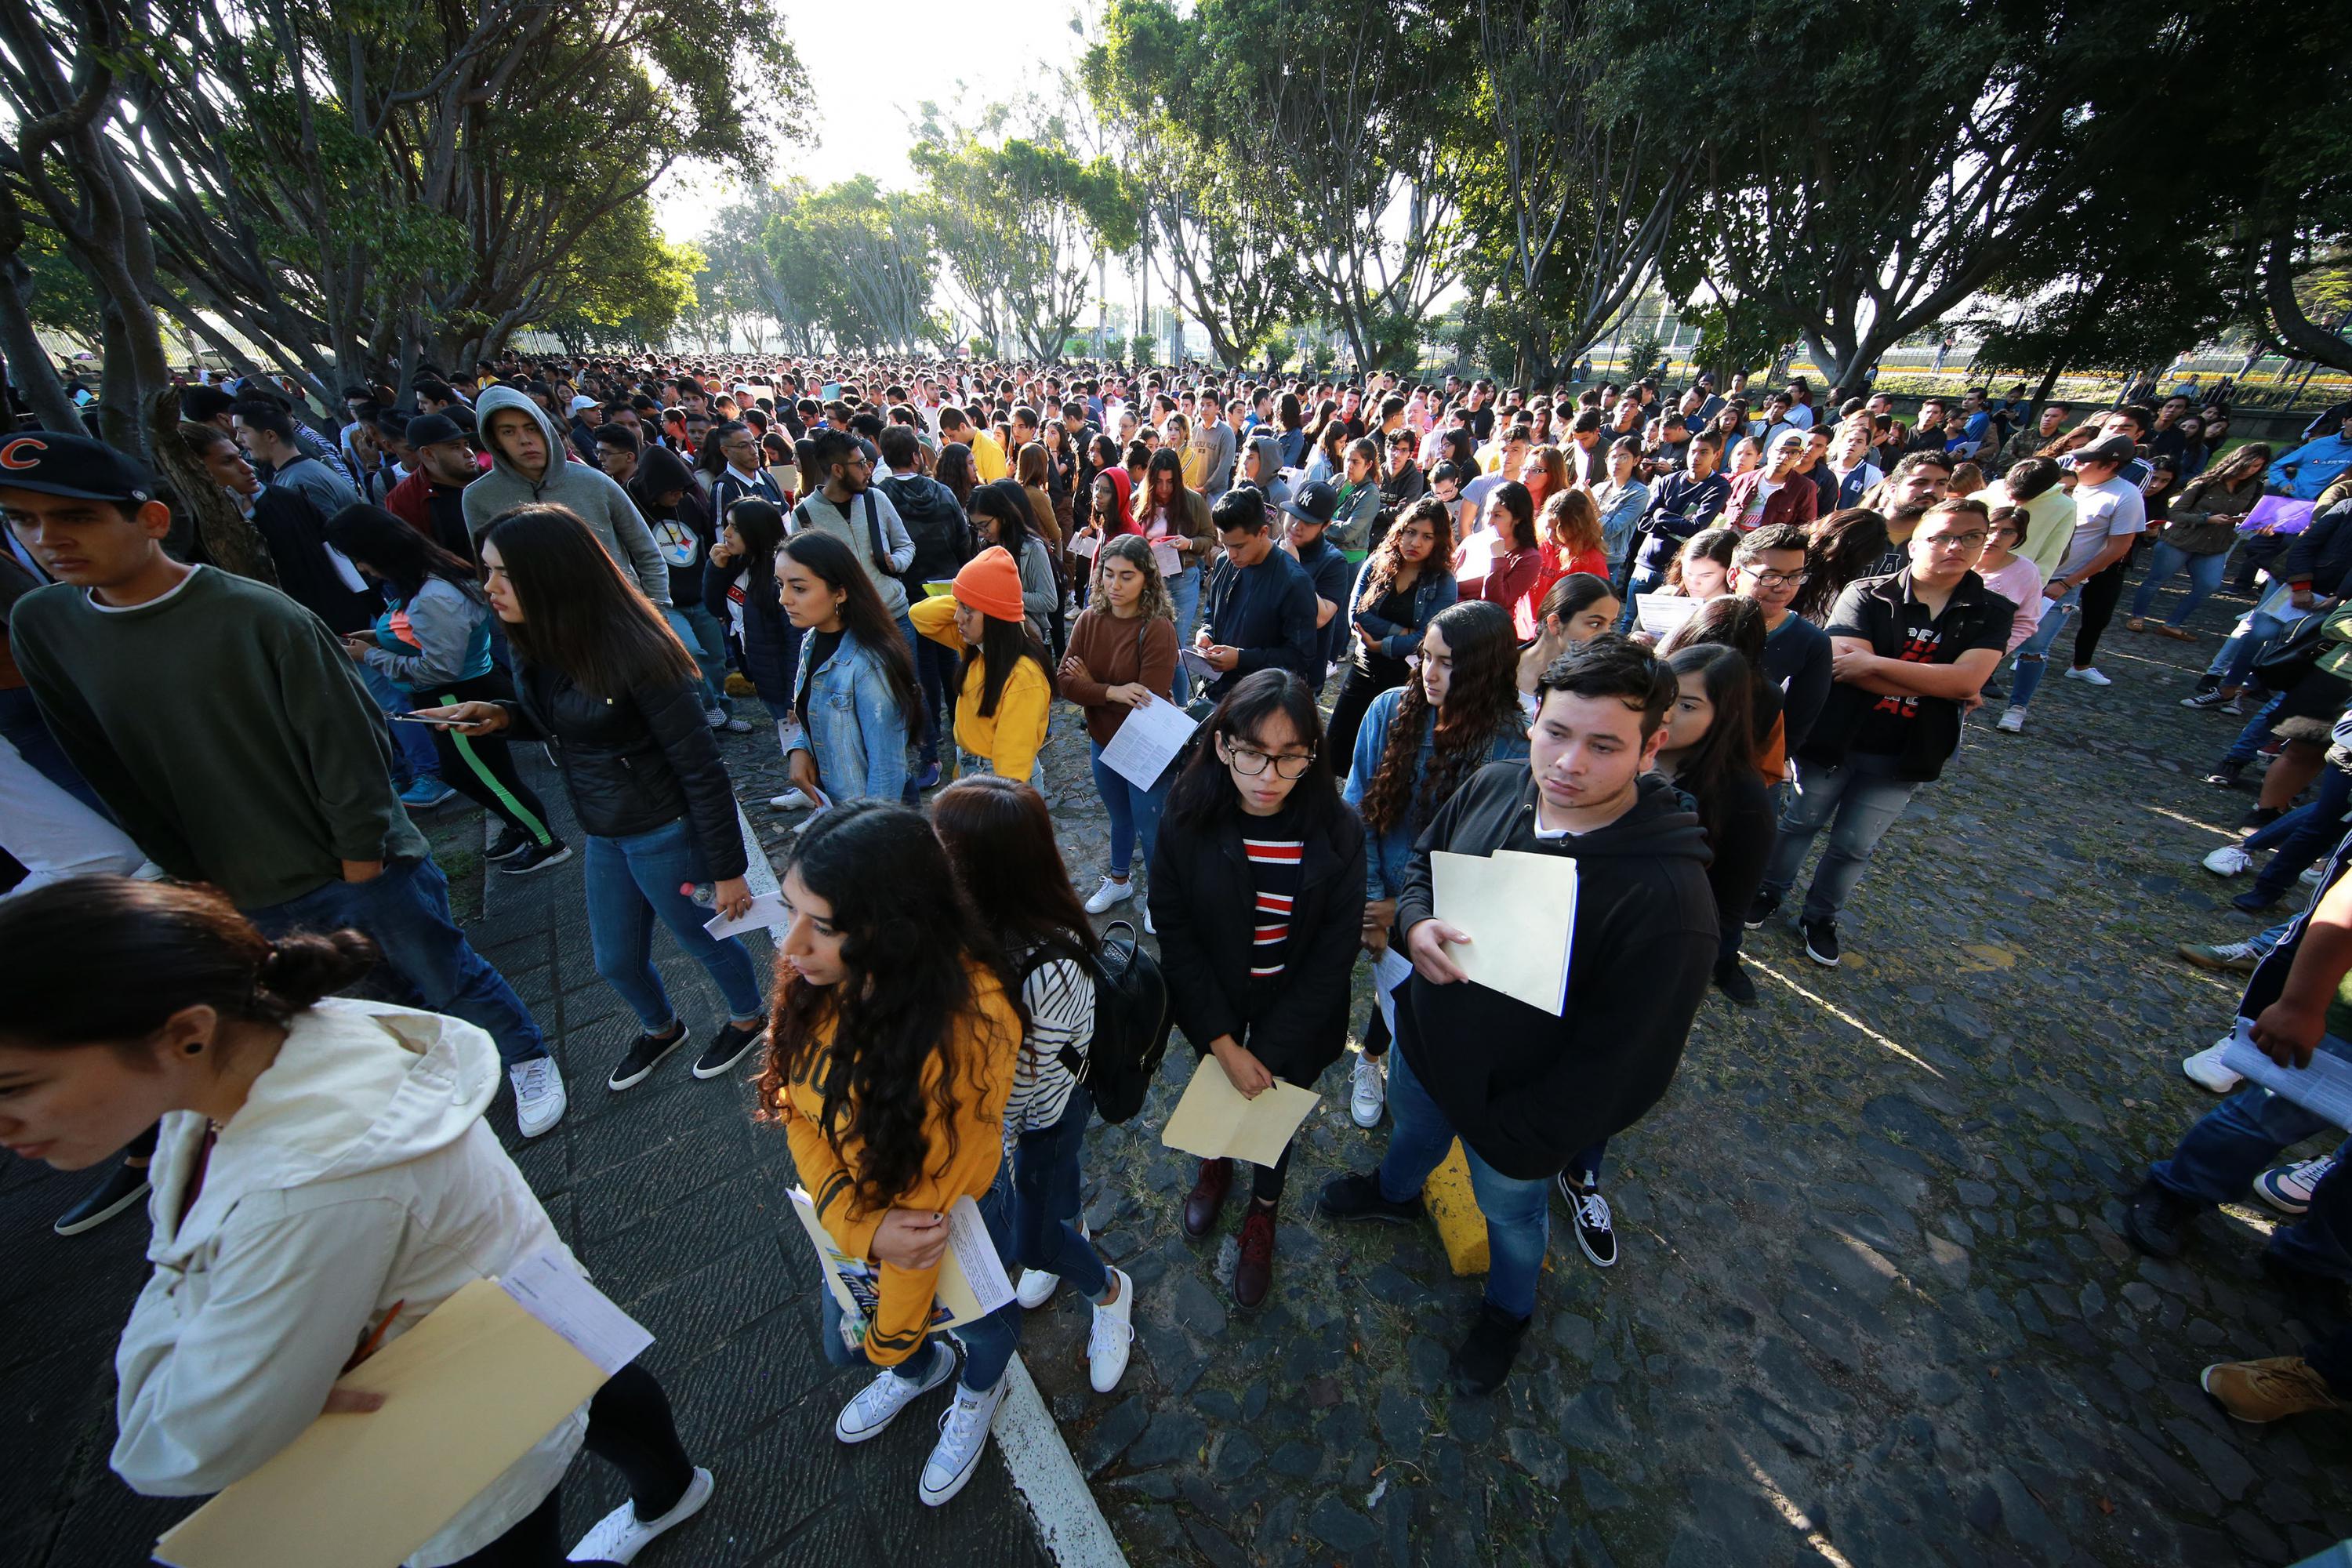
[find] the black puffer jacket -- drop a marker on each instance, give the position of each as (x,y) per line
(2321,555)
(634,763)
(771,643)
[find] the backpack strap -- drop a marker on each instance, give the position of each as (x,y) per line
(873,533)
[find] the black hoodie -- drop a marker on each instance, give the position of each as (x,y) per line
(1529,1091)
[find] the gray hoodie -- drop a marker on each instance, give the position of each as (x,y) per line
(1269,468)
(586,492)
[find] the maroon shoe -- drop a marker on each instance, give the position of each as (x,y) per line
(1207,1198)
(1254,1272)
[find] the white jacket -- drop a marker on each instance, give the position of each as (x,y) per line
(359,1175)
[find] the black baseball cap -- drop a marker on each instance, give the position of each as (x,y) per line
(74,466)
(1314,502)
(432,429)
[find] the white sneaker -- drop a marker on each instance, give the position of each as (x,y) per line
(2088,673)
(2205,1069)
(2013,721)
(538,1094)
(1038,1286)
(1149,929)
(619,1535)
(1370,1090)
(963,1437)
(1112,891)
(1111,1340)
(2310,878)
(2287,1188)
(715,717)
(878,1402)
(791,800)
(2228,861)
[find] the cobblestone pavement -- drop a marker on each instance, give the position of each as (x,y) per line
(1872,1306)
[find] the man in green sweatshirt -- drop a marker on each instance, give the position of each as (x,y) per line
(225,728)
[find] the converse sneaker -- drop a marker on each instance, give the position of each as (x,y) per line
(2237,707)
(2287,1188)
(2206,698)
(2012,721)
(2089,675)
(1370,1090)
(963,1437)
(645,1054)
(727,1047)
(1038,1286)
(2205,1069)
(2228,861)
(1112,1338)
(538,1094)
(619,1535)
(1593,1232)
(878,1402)
(2240,957)
(1113,890)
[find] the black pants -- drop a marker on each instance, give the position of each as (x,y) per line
(629,1428)
(1367,675)
(481,767)
(2100,595)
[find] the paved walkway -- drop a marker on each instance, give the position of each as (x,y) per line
(1871,1310)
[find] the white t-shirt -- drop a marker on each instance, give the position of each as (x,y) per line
(2102,512)
(1765,490)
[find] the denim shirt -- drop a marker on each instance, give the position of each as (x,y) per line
(1435,589)
(1387,857)
(855,729)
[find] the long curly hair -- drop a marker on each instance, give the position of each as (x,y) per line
(1845,545)
(1135,551)
(1380,570)
(866,1043)
(1482,701)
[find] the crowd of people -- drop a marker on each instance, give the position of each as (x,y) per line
(1674,639)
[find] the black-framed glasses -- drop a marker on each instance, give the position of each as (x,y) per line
(1249,762)
(1972,540)
(1765,579)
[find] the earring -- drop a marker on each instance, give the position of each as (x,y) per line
(195,1047)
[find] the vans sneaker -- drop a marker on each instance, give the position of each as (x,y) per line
(645,1054)
(1594,1232)
(619,1535)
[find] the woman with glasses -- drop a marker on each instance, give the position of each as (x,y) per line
(1257,889)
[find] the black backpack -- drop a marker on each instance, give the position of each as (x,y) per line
(1131,1021)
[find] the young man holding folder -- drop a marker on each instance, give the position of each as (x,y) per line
(1524,1089)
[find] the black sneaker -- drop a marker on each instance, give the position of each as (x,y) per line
(1766,903)
(536,857)
(1732,981)
(123,1186)
(2260,818)
(726,1048)
(1358,1196)
(1992,693)
(1821,943)
(1483,1360)
(2207,695)
(1594,1232)
(645,1054)
(2155,1218)
(508,845)
(2225,773)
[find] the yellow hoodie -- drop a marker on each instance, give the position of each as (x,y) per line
(1014,736)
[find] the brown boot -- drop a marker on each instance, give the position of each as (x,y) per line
(1254,1272)
(1207,1198)
(2266,1390)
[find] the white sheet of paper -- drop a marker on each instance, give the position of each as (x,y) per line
(1086,544)
(1520,912)
(2324,1088)
(767,914)
(555,1292)
(1148,739)
(1164,556)
(1389,969)
(978,1272)
(1214,1121)
(1196,661)
(1663,615)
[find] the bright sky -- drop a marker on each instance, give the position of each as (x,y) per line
(869,65)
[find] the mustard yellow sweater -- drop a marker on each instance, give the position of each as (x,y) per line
(1010,739)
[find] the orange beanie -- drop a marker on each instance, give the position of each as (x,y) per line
(991,583)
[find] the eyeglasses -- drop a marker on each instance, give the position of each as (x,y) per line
(1774,579)
(1249,762)
(1961,542)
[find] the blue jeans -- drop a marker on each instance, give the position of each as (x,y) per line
(988,1343)
(709,647)
(2251,740)
(2033,653)
(712,691)
(628,882)
(2221,1155)
(1133,811)
(2235,659)
(935,666)
(1518,1213)
(2205,573)
(21,726)
(2305,835)
(1184,596)
(413,756)
(1046,1184)
(405,907)
(1863,797)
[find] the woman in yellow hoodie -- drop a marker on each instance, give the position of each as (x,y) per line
(1004,689)
(891,1054)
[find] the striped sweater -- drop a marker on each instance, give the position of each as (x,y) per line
(1060,996)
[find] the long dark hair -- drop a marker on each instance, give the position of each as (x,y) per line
(1003,646)
(1204,793)
(866,1043)
(1844,545)
(403,557)
(1726,754)
(582,616)
(66,949)
(1520,507)
(955,469)
(861,615)
(998,837)
(1005,501)
(1482,701)
(1380,571)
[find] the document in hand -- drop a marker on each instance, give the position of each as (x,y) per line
(1196,661)
(467,1392)
(1521,911)
(767,912)
(2324,1088)
(1214,1121)
(1165,556)
(1663,615)
(1148,739)
(1087,545)
(972,1281)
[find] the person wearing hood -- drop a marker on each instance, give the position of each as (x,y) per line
(324,1179)
(528,467)
(1261,465)
(1526,1089)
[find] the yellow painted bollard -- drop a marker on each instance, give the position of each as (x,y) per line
(1454,1209)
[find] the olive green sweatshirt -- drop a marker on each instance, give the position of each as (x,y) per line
(224,726)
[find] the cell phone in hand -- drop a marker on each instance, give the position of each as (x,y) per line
(413,719)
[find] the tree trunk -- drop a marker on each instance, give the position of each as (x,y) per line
(2301,336)
(20,345)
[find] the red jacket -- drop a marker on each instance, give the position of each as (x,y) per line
(1797,500)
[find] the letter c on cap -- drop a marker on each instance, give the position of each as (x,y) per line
(29,444)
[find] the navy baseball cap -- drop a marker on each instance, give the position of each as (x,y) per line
(74,466)
(1313,503)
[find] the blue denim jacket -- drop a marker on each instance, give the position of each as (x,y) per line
(1387,858)
(855,729)
(1432,591)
